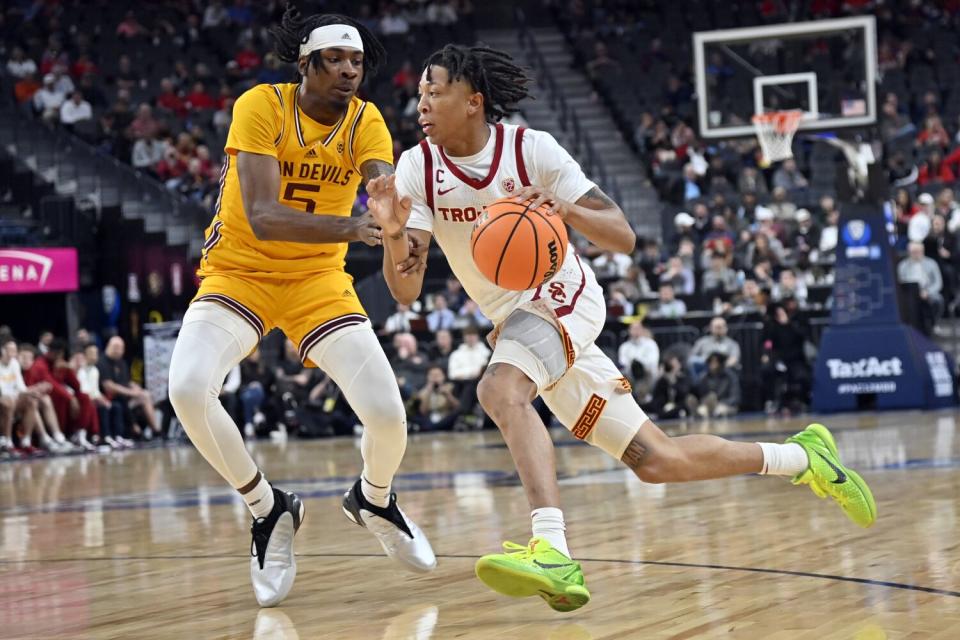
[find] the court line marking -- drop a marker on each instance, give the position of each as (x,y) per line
(419,481)
(454,556)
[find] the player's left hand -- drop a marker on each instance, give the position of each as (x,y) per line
(386,206)
(541,195)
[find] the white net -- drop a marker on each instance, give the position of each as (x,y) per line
(775,131)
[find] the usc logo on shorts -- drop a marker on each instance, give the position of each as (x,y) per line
(588,419)
(557,292)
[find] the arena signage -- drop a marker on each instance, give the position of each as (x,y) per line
(38,270)
(856,236)
(894,363)
(867,356)
(865,368)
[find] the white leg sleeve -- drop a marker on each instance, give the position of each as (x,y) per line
(354,359)
(212,340)
(532,345)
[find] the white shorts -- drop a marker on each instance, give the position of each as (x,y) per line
(590,397)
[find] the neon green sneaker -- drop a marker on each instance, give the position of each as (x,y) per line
(535,570)
(827,476)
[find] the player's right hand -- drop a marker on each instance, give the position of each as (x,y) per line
(389,210)
(368,231)
(416,261)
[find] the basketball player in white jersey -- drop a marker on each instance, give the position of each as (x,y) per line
(544,338)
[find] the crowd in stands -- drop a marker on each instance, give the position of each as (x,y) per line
(744,263)
(750,239)
(59,399)
(774,213)
(154,85)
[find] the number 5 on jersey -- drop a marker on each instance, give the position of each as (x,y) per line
(310,203)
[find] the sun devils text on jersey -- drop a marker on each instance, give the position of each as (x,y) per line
(319,174)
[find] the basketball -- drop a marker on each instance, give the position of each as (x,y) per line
(516,247)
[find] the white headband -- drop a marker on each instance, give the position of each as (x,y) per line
(332,35)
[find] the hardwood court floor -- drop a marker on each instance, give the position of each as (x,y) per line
(149,544)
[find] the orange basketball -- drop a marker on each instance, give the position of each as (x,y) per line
(517,247)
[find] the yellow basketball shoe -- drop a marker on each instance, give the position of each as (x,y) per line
(535,570)
(827,476)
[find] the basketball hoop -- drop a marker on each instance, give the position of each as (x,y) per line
(775,131)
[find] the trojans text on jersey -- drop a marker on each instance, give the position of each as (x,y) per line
(458,214)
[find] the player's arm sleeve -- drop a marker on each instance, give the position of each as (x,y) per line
(257,122)
(553,168)
(372,140)
(411,182)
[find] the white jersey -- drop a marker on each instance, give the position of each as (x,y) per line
(11,379)
(449,193)
(590,397)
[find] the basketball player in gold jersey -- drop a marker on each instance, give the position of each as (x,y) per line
(274,257)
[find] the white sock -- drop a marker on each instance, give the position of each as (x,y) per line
(60,438)
(260,499)
(783,459)
(25,442)
(548,524)
(377,496)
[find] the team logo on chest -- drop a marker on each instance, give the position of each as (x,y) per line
(509,184)
(340,147)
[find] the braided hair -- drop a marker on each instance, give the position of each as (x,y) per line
(490,72)
(295,30)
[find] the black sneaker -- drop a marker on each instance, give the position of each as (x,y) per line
(273,567)
(399,536)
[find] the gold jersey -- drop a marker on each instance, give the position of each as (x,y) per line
(319,174)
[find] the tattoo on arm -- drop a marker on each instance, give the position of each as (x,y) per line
(491,370)
(375,168)
(636,454)
(596,199)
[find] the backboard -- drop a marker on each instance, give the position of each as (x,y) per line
(826,68)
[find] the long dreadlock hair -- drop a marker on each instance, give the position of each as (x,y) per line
(490,72)
(294,30)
